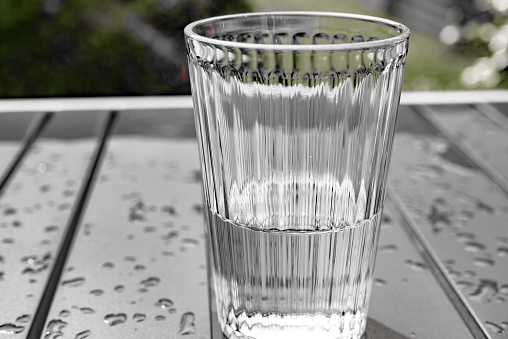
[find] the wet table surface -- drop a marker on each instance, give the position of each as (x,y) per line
(102,229)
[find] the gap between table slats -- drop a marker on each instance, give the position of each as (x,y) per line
(52,283)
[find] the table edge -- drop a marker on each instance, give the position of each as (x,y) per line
(185,101)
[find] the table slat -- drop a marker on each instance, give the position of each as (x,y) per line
(34,211)
(405,296)
(502,108)
(494,112)
(137,267)
(17,131)
(479,137)
(462,214)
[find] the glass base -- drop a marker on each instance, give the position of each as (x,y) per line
(293,326)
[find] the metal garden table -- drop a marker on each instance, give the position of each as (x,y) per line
(101,224)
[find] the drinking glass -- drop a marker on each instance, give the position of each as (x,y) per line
(295,115)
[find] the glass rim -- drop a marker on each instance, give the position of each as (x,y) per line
(348,46)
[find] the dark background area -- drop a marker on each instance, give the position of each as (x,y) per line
(98,48)
(62,48)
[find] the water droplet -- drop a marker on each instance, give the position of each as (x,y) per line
(467,214)
(464,284)
(484,291)
(449,262)
(45,257)
(137,212)
(96,292)
(437,217)
(412,335)
(170,235)
(484,207)
(75,282)
(68,193)
(190,242)
(149,229)
(474,247)
(129,258)
(187,324)
(64,313)
(11,329)
(160,318)
(82,335)
(87,310)
(414,265)
(465,236)
(453,274)
(197,208)
(23,318)
(54,329)
(502,251)
(483,262)
(119,288)
(504,289)
(139,268)
(64,206)
(150,281)
(388,248)
(164,303)
(44,188)
(494,327)
(169,209)
(10,211)
(502,240)
(138,317)
(51,228)
(35,270)
(379,282)
(8,241)
(108,265)
(115,319)
(168,254)
(469,274)
(386,219)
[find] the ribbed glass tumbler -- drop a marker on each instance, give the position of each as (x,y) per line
(295,115)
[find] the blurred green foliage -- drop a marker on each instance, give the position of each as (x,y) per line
(431,64)
(487,42)
(56,48)
(13,14)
